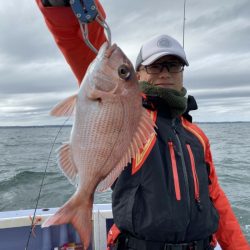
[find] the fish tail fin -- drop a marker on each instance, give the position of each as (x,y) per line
(77,213)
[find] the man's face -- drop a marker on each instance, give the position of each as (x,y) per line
(163,79)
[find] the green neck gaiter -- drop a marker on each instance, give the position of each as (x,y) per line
(175,100)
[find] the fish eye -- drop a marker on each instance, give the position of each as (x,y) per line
(124,72)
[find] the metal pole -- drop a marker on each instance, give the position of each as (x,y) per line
(184,21)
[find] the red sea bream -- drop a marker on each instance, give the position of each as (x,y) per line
(109,129)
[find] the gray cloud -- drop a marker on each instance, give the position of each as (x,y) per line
(216,109)
(222,93)
(35,76)
(222,13)
(25,37)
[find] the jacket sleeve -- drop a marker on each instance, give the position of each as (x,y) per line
(66,31)
(229,233)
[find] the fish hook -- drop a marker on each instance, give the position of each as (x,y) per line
(86,11)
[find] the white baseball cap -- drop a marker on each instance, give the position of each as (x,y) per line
(158,47)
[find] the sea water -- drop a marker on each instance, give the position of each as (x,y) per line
(24,155)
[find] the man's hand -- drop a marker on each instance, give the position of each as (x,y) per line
(55,3)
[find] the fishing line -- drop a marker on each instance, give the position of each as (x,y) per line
(44,174)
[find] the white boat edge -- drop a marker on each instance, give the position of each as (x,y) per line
(101,214)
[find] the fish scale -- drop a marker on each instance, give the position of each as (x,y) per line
(97,139)
(109,129)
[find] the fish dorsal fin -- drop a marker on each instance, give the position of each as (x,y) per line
(143,133)
(66,163)
(65,107)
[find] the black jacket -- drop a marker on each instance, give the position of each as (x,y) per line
(164,196)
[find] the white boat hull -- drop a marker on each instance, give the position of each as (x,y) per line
(15,229)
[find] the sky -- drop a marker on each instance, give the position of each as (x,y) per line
(34,76)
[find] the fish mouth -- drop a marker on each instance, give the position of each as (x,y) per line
(106,51)
(109,51)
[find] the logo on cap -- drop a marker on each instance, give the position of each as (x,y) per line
(164,42)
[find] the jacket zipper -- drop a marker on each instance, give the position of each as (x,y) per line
(195,178)
(175,172)
(184,168)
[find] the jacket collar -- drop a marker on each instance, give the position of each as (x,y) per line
(156,103)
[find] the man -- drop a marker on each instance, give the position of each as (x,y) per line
(169,197)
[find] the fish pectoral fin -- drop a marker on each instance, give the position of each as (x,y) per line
(66,163)
(65,107)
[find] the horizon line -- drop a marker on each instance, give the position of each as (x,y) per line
(70,125)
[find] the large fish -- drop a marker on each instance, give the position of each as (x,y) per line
(109,129)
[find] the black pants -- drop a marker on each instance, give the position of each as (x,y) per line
(127,242)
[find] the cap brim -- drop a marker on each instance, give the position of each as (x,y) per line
(155,57)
